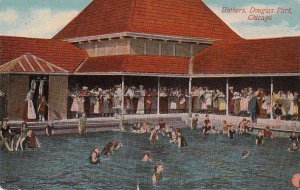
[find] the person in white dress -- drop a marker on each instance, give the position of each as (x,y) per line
(141,101)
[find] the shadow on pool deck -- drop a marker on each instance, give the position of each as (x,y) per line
(70,126)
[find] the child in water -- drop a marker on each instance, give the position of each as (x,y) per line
(23,131)
(94,157)
(158,172)
(31,140)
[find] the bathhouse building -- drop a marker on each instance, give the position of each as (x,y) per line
(147,57)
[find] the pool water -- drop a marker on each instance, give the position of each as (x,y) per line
(212,162)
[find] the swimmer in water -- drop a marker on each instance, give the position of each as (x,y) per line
(147,157)
(173,138)
(294,147)
(245,154)
(117,145)
(181,141)
(158,172)
(94,157)
(154,134)
(259,138)
(108,149)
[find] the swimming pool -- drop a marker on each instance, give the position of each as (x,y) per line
(214,162)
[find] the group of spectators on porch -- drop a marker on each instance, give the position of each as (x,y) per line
(283,104)
(137,100)
(141,100)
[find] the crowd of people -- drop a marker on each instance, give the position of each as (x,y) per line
(97,102)
(175,136)
(284,105)
(137,100)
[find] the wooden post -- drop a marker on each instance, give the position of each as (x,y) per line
(158,92)
(227,96)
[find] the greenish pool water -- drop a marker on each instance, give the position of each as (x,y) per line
(212,162)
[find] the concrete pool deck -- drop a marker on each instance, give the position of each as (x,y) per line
(70,126)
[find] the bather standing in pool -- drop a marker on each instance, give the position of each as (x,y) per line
(94,157)
(154,134)
(181,141)
(259,138)
(50,128)
(231,132)
(82,125)
(195,121)
(158,172)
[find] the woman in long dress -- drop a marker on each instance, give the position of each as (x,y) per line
(173,100)
(105,100)
(290,98)
(141,101)
(75,105)
(148,100)
(154,101)
(29,111)
(182,101)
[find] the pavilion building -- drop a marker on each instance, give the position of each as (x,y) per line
(154,43)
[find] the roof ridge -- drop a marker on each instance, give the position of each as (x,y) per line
(132,15)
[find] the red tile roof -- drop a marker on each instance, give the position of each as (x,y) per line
(136,63)
(60,53)
(277,55)
(190,18)
(30,63)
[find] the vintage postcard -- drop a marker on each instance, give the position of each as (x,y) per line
(149,94)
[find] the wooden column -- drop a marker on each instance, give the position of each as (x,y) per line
(227,96)
(122,97)
(190,97)
(271,104)
(158,92)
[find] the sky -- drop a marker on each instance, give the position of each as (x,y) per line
(44,18)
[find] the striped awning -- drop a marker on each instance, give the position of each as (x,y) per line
(30,63)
